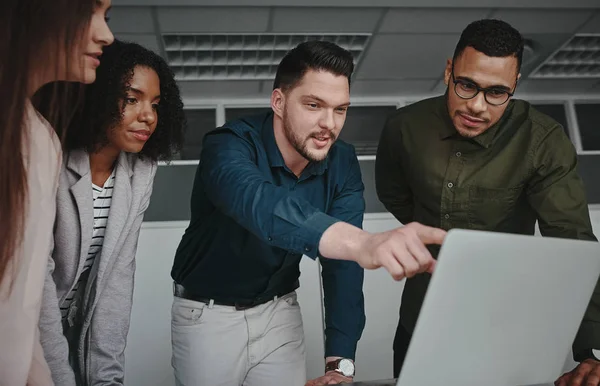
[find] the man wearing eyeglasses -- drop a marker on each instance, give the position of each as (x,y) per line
(476,158)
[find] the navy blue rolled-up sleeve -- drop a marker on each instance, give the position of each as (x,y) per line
(343,280)
(235,185)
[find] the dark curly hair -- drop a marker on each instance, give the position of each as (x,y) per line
(104,103)
(494,38)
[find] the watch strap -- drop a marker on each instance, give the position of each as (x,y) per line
(582,355)
(333,365)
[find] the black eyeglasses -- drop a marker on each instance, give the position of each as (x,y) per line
(466,89)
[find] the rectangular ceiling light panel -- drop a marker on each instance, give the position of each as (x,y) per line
(578,58)
(242,56)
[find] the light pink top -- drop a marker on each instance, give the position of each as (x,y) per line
(21,357)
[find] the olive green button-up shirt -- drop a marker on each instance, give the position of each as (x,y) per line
(520,170)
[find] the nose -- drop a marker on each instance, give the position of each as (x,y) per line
(478,104)
(102,34)
(327,120)
(147,114)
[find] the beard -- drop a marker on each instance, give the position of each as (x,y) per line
(300,144)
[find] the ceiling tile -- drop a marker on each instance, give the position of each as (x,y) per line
(382,88)
(148,41)
(406,56)
(131,20)
(592,26)
(212,19)
(220,89)
(543,45)
(415,20)
(339,20)
(596,87)
(543,21)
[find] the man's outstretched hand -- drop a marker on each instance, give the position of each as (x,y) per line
(401,251)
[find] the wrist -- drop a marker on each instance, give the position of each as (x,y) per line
(342,241)
(343,366)
(587,354)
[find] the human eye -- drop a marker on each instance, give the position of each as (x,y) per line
(496,92)
(467,86)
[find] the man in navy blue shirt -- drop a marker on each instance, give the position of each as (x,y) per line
(269,189)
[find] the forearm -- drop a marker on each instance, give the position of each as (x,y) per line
(39,373)
(52,339)
(342,241)
(233,183)
(109,329)
(344,307)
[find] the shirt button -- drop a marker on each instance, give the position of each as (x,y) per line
(458,153)
(307,249)
(446,216)
(450,184)
(270,238)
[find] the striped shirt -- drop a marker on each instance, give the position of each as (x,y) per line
(102,199)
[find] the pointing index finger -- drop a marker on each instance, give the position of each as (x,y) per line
(429,235)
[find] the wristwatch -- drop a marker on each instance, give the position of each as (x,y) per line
(343,366)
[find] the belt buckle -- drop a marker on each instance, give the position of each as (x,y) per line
(243,306)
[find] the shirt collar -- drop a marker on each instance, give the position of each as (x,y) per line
(485,139)
(274,154)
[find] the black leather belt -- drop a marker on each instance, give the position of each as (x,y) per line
(181,292)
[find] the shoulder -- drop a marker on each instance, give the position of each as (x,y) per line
(342,159)
(251,125)
(143,169)
(542,126)
(342,150)
(418,112)
(243,133)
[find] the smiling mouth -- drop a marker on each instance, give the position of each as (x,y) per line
(141,135)
(95,58)
(321,141)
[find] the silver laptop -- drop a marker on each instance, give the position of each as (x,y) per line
(501,310)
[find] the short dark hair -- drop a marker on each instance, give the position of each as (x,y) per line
(318,55)
(103,106)
(494,38)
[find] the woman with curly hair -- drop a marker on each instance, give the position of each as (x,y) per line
(132,118)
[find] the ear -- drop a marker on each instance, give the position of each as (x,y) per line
(448,71)
(278,102)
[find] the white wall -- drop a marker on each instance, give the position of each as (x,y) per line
(148,353)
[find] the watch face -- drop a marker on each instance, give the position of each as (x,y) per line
(346,367)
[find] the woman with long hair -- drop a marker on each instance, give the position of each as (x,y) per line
(42,41)
(132,117)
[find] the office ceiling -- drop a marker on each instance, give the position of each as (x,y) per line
(405,54)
